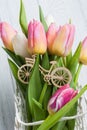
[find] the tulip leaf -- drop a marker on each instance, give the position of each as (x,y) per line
(42,19)
(16,58)
(77,73)
(46,65)
(35,86)
(60,62)
(14,70)
(65,128)
(59,126)
(51,120)
(68,58)
(23,19)
(39,112)
(47,96)
(43,93)
(74,60)
(45,61)
(71,123)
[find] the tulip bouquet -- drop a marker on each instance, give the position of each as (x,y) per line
(45,70)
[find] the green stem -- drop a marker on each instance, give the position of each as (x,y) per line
(59,61)
(57,58)
(77,73)
(64,61)
(43,93)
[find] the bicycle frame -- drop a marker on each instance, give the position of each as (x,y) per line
(51,76)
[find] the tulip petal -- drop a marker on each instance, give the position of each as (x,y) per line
(0,28)
(37,43)
(7,33)
(51,35)
(61,40)
(83,54)
(40,39)
(70,39)
(56,94)
(20,45)
(30,37)
(62,96)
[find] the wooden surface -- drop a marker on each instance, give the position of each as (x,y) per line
(62,10)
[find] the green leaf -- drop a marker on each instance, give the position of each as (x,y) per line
(39,113)
(68,58)
(65,128)
(77,73)
(59,126)
(43,93)
(14,70)
(17,59)
(46,64)
(45,61)
(60,62)
(73,64)
(72,112)
(35,86)
(74,61)
(70,124)
(42,19)
(51,120)
(23,19)
(47,96)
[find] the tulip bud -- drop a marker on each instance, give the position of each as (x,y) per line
(49,20)
(7,33)
(83,54)
(51,35)
(62,40)
(20,45)
(62,96)
(37,43)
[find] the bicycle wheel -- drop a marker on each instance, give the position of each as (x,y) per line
(60,76)
(24,73)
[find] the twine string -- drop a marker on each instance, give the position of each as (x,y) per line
(17,103)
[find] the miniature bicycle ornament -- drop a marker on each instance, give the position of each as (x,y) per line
(57,76)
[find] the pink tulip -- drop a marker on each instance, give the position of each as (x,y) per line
(51,35)
(62,96)
(37,43)
(60,39)
(7,33)
(83,54)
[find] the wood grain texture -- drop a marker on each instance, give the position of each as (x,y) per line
(62,10)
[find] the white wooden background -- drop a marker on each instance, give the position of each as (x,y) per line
(62,10)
